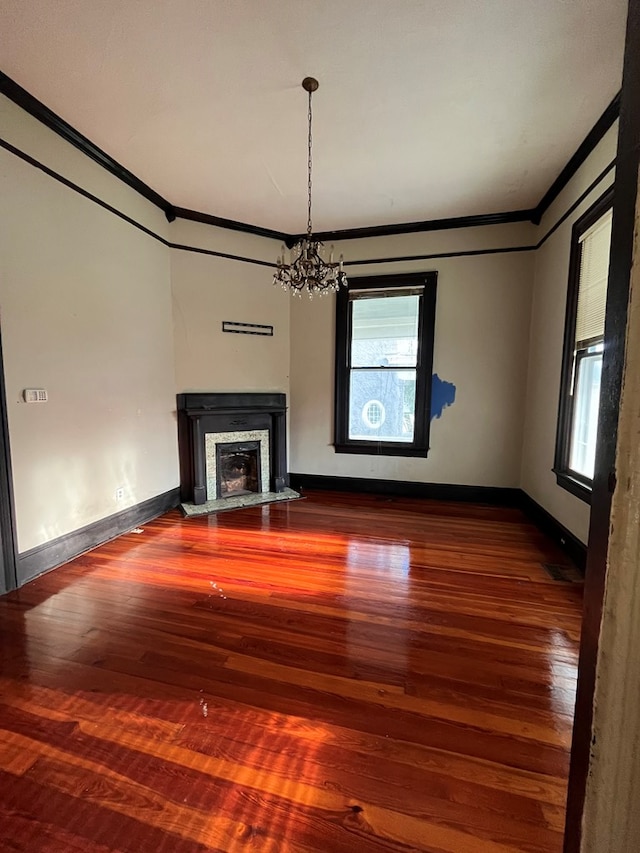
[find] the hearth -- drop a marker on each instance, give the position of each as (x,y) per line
(231,444)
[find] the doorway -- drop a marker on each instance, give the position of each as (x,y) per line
(8,553)
(604,483)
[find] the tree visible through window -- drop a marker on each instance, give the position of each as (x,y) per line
(384,351)
(583,349)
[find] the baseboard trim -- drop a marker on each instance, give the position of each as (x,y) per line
(437,491)
(51,554)
(570,544)
(58,551)
(494,495)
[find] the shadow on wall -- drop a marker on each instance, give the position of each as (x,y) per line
(443,394)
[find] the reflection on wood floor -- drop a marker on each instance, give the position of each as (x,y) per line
(343,673)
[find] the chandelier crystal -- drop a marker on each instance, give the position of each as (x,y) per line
(308,270)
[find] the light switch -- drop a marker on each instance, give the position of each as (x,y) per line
(35,395)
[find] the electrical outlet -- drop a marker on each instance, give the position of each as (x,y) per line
(120,494)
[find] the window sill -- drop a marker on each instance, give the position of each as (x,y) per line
(373,449)
(571,484)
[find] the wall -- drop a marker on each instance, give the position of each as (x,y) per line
(85,307)
(551,275)
(482,320)
(207,290)
(113,322)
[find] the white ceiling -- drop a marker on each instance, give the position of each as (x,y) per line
(426,108)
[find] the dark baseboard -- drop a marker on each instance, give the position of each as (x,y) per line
(494,495)
(51,554)
(436,491)
(58,551)
(570,544)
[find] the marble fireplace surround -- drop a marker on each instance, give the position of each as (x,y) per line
(213,439)
(204,413)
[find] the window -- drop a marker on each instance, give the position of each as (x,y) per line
(583,349)
(384,355)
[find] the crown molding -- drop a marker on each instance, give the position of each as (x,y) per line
(230,224)
(356,233)
(590,141)
(27,158)
(38,110)
(425,225)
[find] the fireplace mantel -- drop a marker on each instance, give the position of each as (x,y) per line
(201,413)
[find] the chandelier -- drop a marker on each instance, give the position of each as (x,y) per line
(308,269)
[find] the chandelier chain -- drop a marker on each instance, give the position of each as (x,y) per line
(309,166)
(308,270)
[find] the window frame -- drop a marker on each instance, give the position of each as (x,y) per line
(424,364)
(568,479)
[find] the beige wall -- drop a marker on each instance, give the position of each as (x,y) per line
(482,319)
(551,275)
(206,291)
(85,305)
(89,313)
(113,323)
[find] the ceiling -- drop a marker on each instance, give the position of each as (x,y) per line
(426,108)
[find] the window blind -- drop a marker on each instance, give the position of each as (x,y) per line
(378,293)
(592,288)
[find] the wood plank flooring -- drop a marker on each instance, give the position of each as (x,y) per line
(340,674)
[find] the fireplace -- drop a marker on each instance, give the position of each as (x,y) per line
(231,444)
(237,468)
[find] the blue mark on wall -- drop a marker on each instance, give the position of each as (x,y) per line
(443,394)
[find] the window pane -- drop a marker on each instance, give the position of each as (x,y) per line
(585,415)
(384,331)
(382,405)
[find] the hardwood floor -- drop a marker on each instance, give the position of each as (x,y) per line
(342,673)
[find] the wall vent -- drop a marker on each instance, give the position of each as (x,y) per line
(564,573)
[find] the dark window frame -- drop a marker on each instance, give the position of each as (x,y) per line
(572,481)
(424,364)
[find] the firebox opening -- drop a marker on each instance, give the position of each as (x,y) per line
(238,468)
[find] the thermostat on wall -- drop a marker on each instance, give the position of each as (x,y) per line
(35,395)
